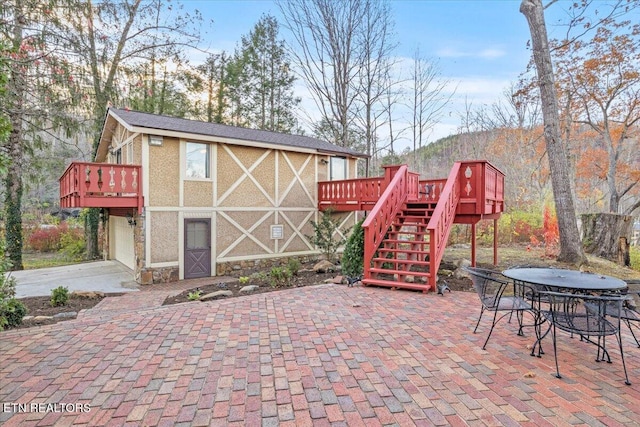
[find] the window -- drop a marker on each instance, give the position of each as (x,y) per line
(198,160)
(338,168)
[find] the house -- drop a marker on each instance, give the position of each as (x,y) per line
(187,199)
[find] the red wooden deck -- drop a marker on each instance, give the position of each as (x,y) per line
(101,185)
(409,219)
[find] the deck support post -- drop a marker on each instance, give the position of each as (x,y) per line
(495,242)
(473,245)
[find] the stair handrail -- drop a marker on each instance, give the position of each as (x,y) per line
(441,221)
(382,216)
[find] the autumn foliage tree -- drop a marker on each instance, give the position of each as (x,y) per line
(598,77)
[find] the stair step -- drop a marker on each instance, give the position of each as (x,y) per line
(397,285)
(403,251)
(403,261)
(417,212)
(400,272)
(413,216)
(415,233)
(409,242)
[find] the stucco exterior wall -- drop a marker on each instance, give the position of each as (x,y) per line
(198,193)
(164,173)
(246,176)
(164,236)
(251,189)
(137,150)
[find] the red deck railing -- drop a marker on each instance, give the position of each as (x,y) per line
(473,190)
(101,185)
(350,194)
(383,214)
(441,221)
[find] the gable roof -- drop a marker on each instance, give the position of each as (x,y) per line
(153,122)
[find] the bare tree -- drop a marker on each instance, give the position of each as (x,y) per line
(570,246)
(374,82)
(429,99)
(329,55)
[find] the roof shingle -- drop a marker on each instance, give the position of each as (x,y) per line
(154,121)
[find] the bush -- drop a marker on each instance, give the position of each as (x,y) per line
(195,295)
(13,312)
(69,240)
(73,244)
(293,265)
(323,236)
(353,256)
(634,254)
(280,277)
(45,239)
(59,296)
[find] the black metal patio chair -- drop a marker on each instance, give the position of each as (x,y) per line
(629,313)
(589,316)
(497,294)
(537,302)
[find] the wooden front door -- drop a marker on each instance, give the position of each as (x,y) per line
(197,248)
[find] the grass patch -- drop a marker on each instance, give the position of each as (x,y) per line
(31,261)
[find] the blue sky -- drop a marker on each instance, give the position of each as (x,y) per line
(480,46)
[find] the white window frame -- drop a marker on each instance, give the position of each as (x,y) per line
(208,173)
(333,162)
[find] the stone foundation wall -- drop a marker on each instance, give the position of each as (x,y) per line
(150,276)
(245,268)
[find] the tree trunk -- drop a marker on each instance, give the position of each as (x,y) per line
(13,182)
(570,246)
(607,235)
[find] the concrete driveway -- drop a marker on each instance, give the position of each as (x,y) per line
(104,276)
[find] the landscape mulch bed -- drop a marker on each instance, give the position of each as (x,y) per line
(41,306)
(305,277)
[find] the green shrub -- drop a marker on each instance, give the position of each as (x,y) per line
(11,310)
(323,235)
(634,254)
(59,296)
(353,256)
(195,295)
(12,313)
(244,280)
(280,277)
(293,265)
(73,244)
(259,276)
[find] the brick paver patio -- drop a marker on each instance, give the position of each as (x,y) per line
(325,355)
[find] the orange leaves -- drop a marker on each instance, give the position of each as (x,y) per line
(551,233)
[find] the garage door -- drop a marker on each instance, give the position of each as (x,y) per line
(121,241)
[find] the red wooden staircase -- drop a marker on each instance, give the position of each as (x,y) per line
(407,229)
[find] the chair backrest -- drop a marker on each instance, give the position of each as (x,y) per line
(584,314)
(488,284)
